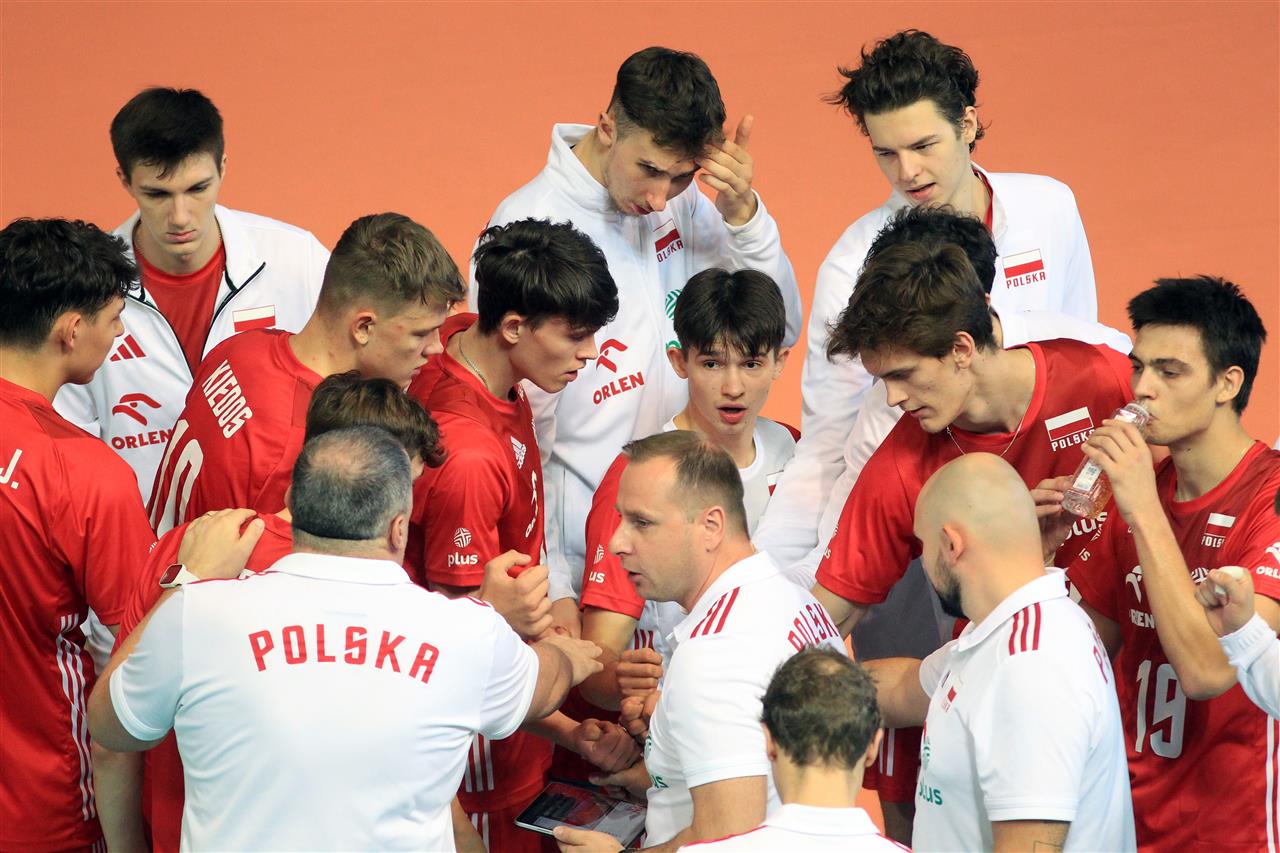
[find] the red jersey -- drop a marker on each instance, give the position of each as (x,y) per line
(163,787)
(484,500)
(605,583)
(487,496)
(186,301)
(74,536)
(240,433)
(1204,775)
(1077,386)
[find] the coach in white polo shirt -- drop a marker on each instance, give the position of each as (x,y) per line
(329,702)
(821,727)
(1023,743)
(683,537)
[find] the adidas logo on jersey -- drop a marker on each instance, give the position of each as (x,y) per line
(128,349)
(519,451)
(461,537)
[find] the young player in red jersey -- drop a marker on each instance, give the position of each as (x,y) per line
(74,527)
(340,401)
(543,291)
(1195,741)
(730,329)
(387,289)
(920,321)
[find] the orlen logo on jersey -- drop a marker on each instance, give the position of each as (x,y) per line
(615,386)
(1134,579)
(1070,428)
(669,241)
(226,400)
(1216,530)
(461,537)
(137,407)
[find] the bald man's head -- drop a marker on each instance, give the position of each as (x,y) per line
(974,509)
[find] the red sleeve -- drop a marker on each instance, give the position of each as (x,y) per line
(604,582)
(873,542)
(1095,572)
(146,587)
(111,538)
(461,507)
(1259,544)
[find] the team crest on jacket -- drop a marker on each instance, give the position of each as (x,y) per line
(667,240)
(519,449)
(1023,269)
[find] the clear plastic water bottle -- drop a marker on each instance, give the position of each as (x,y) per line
(1090,489)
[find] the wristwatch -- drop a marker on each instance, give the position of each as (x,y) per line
(176,575)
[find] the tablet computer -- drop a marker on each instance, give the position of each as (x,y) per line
(562,804)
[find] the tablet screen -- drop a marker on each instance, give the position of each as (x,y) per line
(562,804)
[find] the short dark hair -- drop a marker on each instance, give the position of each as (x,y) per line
(348,484)
(163,127)
(706,475)
(393,260)
(673,95)
(916,297)
(1231,331)
(936,226)
(742,310)
(904,68)
(541,269)
(51,266)
(348,399)
(820,708)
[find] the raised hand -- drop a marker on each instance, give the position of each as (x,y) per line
(729,169)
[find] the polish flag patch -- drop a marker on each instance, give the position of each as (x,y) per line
(247,319)
(1023,263)
(667,241)
(1219,524)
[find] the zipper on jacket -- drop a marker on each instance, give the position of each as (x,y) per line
(232,291)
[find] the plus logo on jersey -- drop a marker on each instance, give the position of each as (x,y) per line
(461,537)
(1216,530)
(1023,269)
(519,450)
(667,240)
(622,384)
(1070,428)
(127,349)
(1199,575)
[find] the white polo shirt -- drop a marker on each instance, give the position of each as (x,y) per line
(706,727)
(1255,653)
(797,827)
(327,703)
(1023,724)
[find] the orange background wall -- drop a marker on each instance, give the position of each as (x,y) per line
(1161,116)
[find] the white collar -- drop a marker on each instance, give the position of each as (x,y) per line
(573,177)
(999,219)
(817,820)
(330,567)
(1052,584)
(758,566)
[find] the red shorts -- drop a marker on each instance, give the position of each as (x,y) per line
(893,774)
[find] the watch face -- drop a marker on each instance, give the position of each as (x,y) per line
(171,574)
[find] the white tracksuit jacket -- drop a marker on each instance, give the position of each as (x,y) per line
(1044,265)
(631,390)
(273,270)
